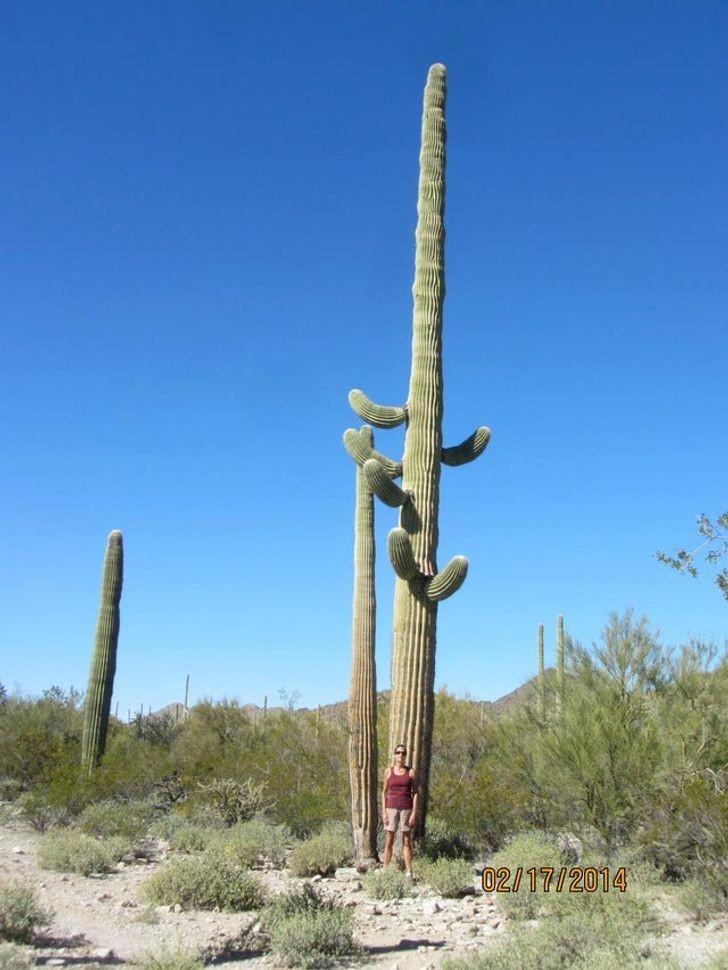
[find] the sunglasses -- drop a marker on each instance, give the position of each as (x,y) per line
(400,752)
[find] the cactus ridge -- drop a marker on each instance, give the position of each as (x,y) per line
(382,485)
(467,450)
(379,415)
(448,581)
(359,447)
(97,704)
(401,556)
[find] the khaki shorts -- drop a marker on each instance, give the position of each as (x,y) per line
(398,817)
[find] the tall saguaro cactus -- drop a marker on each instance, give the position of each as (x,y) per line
(363,685)
(412,546)
(103,660)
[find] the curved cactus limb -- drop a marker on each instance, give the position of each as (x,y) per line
(467,450)
(449,580)
(359,446)
(401,556)
(382,485)
(377,414)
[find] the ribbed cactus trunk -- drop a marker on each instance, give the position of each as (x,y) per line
(414,619)
(103,662)
(363,685)
(412,546)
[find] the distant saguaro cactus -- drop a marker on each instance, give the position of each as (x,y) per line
(412,546)
(560,660)
(97,704)
(541,676)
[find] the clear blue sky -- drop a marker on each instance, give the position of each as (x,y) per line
(206,240)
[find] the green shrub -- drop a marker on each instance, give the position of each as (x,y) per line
(229,800)
(20,912)
(14,957)
(186,836)
(170,960)
(389,883)
(600,931)
(70,851)
(128,820)
(203,882)
(306,930)
(322,853)
(252,843)
(448,877)
(526,851)
(441,840)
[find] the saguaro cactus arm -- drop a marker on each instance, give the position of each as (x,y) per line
(401,556)
(467,450)
(377,414)
(447,581)
(359,446)
(382,485)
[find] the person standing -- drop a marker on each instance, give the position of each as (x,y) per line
(399,807)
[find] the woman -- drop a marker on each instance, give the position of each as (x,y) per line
(399,807)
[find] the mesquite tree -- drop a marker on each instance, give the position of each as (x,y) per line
(412,546)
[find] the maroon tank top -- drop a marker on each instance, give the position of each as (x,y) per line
(399,790)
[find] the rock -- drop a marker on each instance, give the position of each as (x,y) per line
(177,908)
(103,898)
(102,953)
(346,874)
(17,850)
(128,904)
(430,907)
(56,962)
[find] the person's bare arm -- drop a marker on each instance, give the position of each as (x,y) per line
(384,796)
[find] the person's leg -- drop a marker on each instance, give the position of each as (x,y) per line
(407,852)
(388,845)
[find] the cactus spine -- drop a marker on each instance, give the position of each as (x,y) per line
(103,662)
(413,545)
(363,685)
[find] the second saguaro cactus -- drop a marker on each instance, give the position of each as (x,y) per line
(363,685)
(97,705)
(412,546)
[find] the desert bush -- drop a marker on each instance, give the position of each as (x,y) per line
(39,812)
(306,930)
(20,912)
(128,820)
(252,843)
(70,851)
(322,853)
(170,960)
(183,835)
(442,841)
(389,883)
(231,800)
(600,931)
(527,850)
(203,882)
(13,957)
(448,877)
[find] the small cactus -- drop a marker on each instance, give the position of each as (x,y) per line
(97,705)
